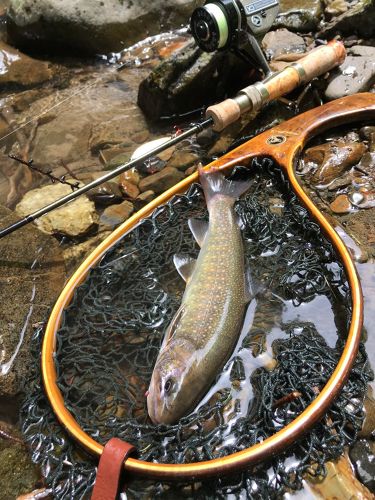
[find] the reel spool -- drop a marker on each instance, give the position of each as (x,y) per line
(294,133)
(235,25)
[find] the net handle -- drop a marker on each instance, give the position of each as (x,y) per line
(283,144)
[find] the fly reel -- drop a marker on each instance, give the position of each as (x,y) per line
(235,25)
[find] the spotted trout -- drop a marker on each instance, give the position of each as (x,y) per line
(204,331)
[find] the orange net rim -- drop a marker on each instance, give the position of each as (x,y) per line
(283,438)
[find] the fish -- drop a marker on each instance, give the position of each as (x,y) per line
(203,332)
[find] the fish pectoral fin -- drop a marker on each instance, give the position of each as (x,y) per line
(252,287)
(172,327)
(184,265)
(199,229)
(249,289)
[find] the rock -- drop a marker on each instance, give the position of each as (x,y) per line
(17,69)
(183,158)
(299,15)
(333,159)
(118,160)
(77,218)
(128,189)
(37,494)
(106,155)
(18,473)
(116,214)
(145,197)
(93,26)
(368,133)
(368,427)
(175,85)
(161,181)
(363,457)
(105,194)
(32,274)
(282,41)
(191,170)
(131,175)
(339,483)
(117,131)
(335,7)
(361,225)
(359,19)
(341,205)
(356,74)
(75,254)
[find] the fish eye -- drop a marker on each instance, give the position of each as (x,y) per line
(168,386)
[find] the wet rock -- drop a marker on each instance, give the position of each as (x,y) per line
(74,255)
(335,7)
(161,181)
(128,189)
(116,215)
(32,274)
(333,159)
(362,455)
(118,160)
(117,130)
(37,494)
(364,198)
(18,474)
(340,482)
(175,85)
(282,41)
(105,194)
(191,170)
(341,205)
(356,74)
(131,175)
(183,158)
(368,427)
(145,197)
(17,69)
(93,26)
(368,133)
(362,226)
(106,155)
(299,15)
(342,182)
(358,19)
(77,218)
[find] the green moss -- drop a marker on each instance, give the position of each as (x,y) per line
(18,474)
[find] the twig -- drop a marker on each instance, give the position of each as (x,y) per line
(49,174)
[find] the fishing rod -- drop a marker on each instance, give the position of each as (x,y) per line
(219,116)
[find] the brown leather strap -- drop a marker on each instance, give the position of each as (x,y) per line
(110,466)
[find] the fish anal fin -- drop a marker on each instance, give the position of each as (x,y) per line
(199,229)
(184,265)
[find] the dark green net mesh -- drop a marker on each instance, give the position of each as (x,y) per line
(111,333)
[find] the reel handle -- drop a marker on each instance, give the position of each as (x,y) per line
(253,97)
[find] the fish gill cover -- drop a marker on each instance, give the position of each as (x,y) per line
(113,328)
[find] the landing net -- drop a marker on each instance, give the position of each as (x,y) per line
(112,330)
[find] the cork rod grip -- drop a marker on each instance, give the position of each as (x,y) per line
(315,63)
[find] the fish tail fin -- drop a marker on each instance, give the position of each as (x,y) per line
(214,183)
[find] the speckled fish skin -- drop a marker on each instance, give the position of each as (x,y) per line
(204,331)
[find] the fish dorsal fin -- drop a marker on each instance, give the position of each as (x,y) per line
(184,265)
(199,229)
